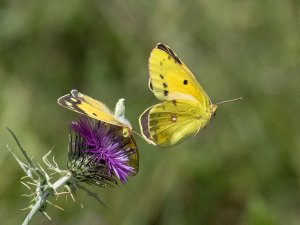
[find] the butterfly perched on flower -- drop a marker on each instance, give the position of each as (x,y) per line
(95,109)
(186,108)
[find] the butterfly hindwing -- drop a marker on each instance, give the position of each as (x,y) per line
(171,79)
(129,145)
(88,106)
(168,123)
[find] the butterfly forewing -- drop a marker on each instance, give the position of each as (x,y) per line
(93,102)
(171,79)
(88,106)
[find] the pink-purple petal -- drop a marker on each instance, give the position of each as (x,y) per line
(105,146)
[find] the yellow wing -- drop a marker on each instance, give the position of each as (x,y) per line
(171,79)
(170,122)
(88,106)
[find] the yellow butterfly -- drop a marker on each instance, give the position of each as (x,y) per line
(95,109)
(186,108)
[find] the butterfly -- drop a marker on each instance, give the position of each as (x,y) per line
(95,109)
(186,108)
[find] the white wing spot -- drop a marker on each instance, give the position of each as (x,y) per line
(69,104)
(173,118)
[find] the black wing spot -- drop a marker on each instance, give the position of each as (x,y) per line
(174,102)
(161,76)
(94,114)
(166,93)
(165,85)
(185,82)
(151,86)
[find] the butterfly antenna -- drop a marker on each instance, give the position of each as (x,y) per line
(137,134)
(231,100)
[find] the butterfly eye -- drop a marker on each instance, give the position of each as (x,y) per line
(126,132)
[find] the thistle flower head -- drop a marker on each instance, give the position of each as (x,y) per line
(98,154)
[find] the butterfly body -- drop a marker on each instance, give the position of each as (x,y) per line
(186,108)
(95,109)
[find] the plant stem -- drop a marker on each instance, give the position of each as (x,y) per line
(43,198)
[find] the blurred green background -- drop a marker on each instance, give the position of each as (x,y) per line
(243,169)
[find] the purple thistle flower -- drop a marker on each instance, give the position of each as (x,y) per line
(102,150)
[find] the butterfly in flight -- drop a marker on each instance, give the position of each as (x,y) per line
(186,108)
